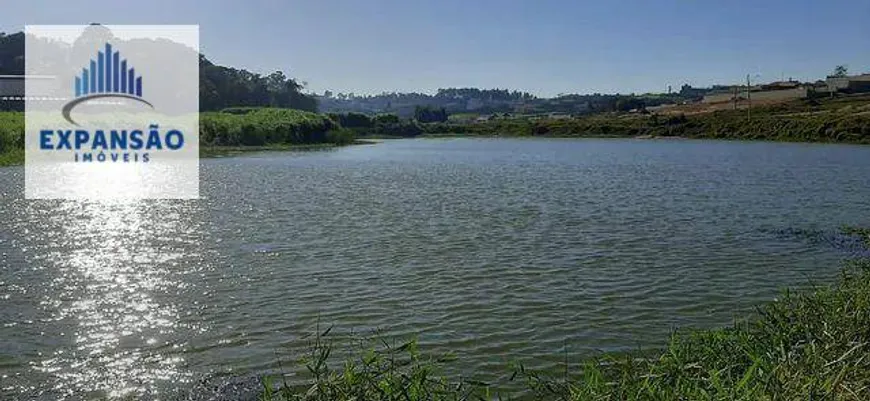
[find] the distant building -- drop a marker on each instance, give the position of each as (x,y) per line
(774,91)
(11,86)
(558,116)
(688,91)
(849,84)
(12,90)
(780,85)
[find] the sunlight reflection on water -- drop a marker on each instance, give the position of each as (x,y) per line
(113,285)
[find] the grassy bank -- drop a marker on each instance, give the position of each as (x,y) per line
(810,345)
(11,138)
(265,126)
(222,133)
(844,119)
(13,157)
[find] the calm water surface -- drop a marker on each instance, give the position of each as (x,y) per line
(498,250)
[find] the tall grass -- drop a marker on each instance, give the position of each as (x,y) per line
(11,131)
(265,126)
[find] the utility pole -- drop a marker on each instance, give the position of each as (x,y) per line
(748,98)
(734,98)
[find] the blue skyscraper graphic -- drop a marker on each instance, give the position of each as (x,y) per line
(108,73)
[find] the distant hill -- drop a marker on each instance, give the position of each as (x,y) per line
(491,101)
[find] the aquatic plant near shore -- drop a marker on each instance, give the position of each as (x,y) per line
(860,232)
(384,372)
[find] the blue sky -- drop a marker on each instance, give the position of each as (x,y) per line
(542,46)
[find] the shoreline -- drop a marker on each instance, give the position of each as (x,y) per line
(215,152)
(642,137)
(16,158)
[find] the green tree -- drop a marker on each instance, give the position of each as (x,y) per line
(352,120)
(426,114)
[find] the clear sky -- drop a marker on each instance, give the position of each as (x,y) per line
(542,46)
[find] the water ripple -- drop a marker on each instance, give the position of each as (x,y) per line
(494,250)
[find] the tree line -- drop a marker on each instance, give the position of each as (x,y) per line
(219,86)
(377,125)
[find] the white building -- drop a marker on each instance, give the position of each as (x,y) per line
(11,86)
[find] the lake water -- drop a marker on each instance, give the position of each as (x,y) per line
(498,250)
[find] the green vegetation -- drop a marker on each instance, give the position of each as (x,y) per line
(260,127)
(11,53)
(426,114)
(11,135)
(809,345)
(221,87)
(838,120)
(845,119)
(860,232)
(405,104)
(462,117)
(12,158)
(221,133)
(488,101)
(378,126)
(383,372)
